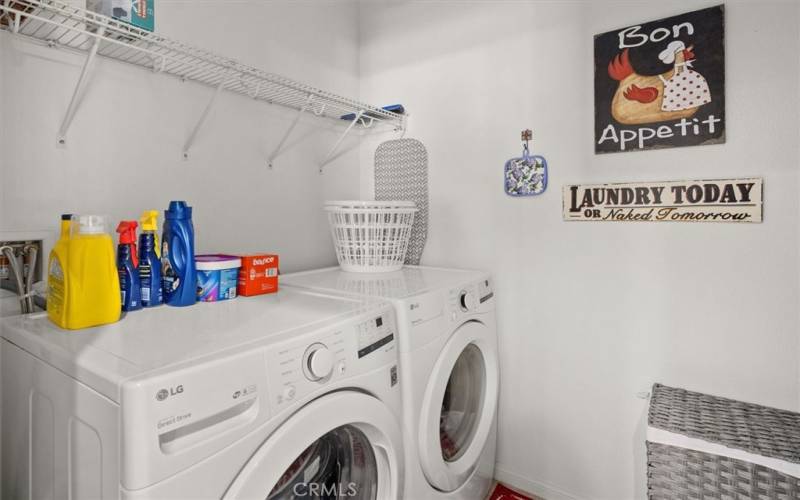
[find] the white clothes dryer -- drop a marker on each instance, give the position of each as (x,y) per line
(293,395)
(449,371)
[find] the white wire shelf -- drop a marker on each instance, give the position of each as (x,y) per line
(57,24)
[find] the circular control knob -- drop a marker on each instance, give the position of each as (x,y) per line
(468,301)
(318,362)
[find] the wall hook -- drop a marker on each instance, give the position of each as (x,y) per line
(527,174)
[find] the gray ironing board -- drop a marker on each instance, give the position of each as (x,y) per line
(401,173)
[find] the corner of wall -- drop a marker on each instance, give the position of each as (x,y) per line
(531,486)
(797,189)
(3,72)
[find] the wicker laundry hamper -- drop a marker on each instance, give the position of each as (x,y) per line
(707,447)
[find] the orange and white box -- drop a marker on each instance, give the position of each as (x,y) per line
(258,274)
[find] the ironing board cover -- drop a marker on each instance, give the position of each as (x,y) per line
(401,173)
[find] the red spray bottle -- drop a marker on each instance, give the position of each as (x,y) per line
(128,266)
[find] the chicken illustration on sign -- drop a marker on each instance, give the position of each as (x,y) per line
(665,86)
(670,96)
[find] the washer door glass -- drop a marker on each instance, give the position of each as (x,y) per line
(463,403)
(340,464)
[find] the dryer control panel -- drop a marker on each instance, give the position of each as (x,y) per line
(469,298)
(298,368)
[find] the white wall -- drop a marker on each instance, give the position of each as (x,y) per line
(2,124)
(124,147)
(592,313)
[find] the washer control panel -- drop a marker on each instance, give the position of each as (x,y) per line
(317,361)
(304,365)
(372,335)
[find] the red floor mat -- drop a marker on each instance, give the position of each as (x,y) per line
(502,493)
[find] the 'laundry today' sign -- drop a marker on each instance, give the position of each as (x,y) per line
(734,200)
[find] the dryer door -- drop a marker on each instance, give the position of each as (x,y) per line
(459,406)
(343,445)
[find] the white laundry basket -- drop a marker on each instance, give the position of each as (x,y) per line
(371,236)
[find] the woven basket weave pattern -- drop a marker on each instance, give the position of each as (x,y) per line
(678,473)
(765,431)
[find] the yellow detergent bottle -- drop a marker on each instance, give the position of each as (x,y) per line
(83,282)
(56,265)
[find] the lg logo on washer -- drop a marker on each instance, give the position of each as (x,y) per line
(172,391)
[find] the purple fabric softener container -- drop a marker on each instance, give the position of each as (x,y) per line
(217,277)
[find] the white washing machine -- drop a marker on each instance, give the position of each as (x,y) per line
(293,395)
(448,371)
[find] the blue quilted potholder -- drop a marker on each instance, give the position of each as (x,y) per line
(526,175)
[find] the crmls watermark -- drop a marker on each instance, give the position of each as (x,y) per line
(316,490)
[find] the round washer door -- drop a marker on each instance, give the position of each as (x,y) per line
(343,445)
(459,407)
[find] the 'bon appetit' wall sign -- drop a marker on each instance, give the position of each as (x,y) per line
(661,84)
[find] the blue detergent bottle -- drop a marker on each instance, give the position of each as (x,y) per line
(150,260)
(128,266)
(179,275)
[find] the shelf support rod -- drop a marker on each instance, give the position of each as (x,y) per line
(17,20)
(329,157)
(188,145)
(278,148)
(77,94)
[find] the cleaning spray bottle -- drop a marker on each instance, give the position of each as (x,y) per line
(128,266)
(150,260)
(83,283)
(179,274)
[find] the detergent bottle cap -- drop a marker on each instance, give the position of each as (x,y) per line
(88,224)
(127,232)
(178,210)
(149,220)
(66,224)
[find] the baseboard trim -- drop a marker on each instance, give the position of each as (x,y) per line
(545,491)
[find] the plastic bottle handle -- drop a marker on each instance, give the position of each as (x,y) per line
(176,249)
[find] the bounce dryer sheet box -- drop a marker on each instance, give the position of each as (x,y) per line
(139,13)
(258,274)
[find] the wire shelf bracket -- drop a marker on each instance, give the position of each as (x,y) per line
(278,149)
(190,141)
(80,88)
(330,154)
(62,25)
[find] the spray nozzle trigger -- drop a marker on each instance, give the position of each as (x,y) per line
(149,221)
(127,236)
